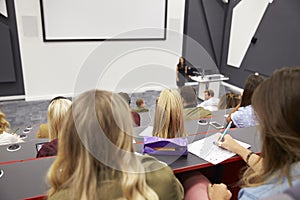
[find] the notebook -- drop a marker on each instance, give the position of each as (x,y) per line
(207,150)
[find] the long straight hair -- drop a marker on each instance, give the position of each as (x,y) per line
(251,84)
(276,103)
(181,65)
(96,148)
(57,110)
(168,120)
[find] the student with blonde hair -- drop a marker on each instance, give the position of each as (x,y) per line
(5,137)
(278,112)
(168,120)
(57,110)
(96,157)
(169,123)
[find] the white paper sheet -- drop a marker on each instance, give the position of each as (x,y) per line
(207,150)
(147,131)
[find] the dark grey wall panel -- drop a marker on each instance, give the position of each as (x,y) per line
(11,81)
(7,70)
(195,26)
(215,12)
(278,38)
(277,43)
(204,22)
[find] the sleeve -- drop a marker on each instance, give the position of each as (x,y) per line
(48,149)
(136,118)
(244,195)
(279,197)
(206,103)
(8,138)
(237,118)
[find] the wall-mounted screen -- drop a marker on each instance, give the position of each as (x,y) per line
(69,20)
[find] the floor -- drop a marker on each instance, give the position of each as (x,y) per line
(23,113)
(20,113)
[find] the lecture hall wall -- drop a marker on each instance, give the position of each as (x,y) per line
(55,68)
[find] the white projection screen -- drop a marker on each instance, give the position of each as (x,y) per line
(73,20)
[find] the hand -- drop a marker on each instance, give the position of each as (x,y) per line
(218,192)
(229,143)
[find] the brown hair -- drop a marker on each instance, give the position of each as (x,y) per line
(188,94)
(139,102)
(97,147)
(276,103)
(210,93)
(168,120)
(229,100)
(251,84)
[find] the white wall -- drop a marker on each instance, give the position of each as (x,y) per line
(65,68)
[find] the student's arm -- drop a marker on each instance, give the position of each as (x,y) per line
(228,119)
(254,161)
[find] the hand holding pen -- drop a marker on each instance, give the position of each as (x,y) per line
(227,142)
(224,133)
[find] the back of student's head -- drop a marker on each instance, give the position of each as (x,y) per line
(57,110)
(229,100)
(139,102)
(125,96)
(4,124)
(168,120)
(210,93)
(251,84)
(276,102)
(97,148)
(188,94)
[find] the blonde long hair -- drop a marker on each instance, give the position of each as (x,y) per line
(168,120)
(276,103)
(97,147)
(57,110)
(4,124)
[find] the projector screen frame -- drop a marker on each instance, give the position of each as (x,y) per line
(45,39)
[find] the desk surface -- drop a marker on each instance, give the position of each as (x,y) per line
(191,162)
(17,174)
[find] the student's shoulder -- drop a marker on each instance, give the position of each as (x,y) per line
(158,169)
(161,179)
(61,195)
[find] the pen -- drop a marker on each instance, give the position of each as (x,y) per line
(226,130)
(16,130)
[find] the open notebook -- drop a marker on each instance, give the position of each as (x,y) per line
(207,150)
